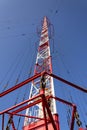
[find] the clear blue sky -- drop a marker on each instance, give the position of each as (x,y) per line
(19,20)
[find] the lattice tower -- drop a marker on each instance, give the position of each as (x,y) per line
(43,63)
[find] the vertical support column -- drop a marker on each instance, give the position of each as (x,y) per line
(3,122)
(56,119)
(49,113)
(44,112)
(73,117)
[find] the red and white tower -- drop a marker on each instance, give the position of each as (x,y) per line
(41,113)
(43,63)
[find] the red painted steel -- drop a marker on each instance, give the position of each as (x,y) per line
(20,84)
(49,121)
(73,118)
(73,111)
(23,115)
(69,83)
(48,111)
(40,100)
(43,104)
(2,121)
(20,104)
(82,128)
(13,126)
(38,75)
(40,125)
(40,122)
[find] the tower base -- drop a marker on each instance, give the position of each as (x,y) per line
(40,124)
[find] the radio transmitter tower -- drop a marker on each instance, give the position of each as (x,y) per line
(40,108)
(43,63)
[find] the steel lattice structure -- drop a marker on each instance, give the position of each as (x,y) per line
(43,63)
(41,113)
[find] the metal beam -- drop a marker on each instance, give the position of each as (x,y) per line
(49,112)
(20,84)
(73,118)
(23,115)
(38,75)
(69,83)
(20,104)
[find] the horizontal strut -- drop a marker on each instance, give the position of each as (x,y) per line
(38,75)
(67,82)
(20,84)
(22,115)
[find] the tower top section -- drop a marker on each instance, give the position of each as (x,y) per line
(43,60)
(44,32)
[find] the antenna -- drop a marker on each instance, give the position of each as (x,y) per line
(43,63)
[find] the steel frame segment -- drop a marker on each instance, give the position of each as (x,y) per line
(27,106)
(67,82)
(44,112)
(63,101)
(49,112)
(2,121)
(73,109)
(42,63)
(13,126)
(20,104)
(38,75)
(43,45)
(11,122)
(29,80)
(24,107)
(21,84)
(47,66)
(22,115)
(21,109)
(73,117)
(45,105)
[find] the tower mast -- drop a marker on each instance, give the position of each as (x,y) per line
(40,108)
(43,63)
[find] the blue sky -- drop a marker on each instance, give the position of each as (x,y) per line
(19,20)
